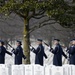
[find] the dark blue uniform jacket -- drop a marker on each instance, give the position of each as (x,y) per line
(18,55)
(58,52)
(39,54)
(2,54)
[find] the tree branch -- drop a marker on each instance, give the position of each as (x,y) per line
(38,17)
(20,14)
(41,25)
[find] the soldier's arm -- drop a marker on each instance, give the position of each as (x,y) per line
(8,53)
(15,51)
(24,56)
(0,50)
(54,51)
(45,55)
(35,50)
(64,55)
(67,50)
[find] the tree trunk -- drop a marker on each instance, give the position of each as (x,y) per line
(26,41)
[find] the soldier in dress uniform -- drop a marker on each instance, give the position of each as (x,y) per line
(18,53)
(58,52)
(3,51)
(39,53)
(71,51)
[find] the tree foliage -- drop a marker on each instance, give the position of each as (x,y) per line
(57,9)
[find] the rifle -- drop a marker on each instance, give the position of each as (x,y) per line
(31,46)
(46,44)
(10,45)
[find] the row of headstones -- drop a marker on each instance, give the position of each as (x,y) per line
(36,70)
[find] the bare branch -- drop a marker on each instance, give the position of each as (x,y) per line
(20,14)
(41,25)
(38,17)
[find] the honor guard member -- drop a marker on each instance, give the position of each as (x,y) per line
(18,53)
(39,53)
(71,52)
(58,52)
(67,50)
(2,52)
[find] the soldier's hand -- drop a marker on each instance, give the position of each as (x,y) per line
(12,55)
(46,57)
(49,47)
(31,47)
(12,50)
(24,57)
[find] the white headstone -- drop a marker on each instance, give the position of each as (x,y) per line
(28,69)
(9,68)
(57,70)
(17,70)
(48,69)
(39,70)
(4,70)
(72,69)
(66,69)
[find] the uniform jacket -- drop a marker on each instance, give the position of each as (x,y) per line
(18,55)
(58,52)
(2,54)
(72,55)
(39,54)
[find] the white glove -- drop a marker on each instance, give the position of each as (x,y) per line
(12,54)
(49,47)
(31,47)
(11,48)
